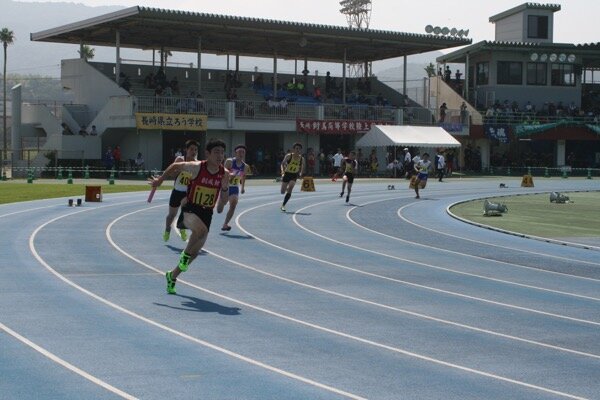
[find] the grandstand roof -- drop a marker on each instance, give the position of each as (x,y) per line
(587,55)
(152,28)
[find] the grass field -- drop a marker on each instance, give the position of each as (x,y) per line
(11,192)
(535,215)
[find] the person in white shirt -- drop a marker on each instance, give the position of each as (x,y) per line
(422,169)
(440,165)
(407,163)
(337,163)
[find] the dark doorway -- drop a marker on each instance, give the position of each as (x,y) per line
(175,140)
(263,150)
(330,143)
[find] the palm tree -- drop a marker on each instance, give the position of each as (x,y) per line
(6,37)
(86,52)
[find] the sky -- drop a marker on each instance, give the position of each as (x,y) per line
(575,23)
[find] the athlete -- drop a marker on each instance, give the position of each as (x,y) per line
(292,168)
(422,169)
(180,189)
(349,167)
(237,169)
(208,186)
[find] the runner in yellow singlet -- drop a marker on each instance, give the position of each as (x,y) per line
(348,168)
(180,189)
(292,168)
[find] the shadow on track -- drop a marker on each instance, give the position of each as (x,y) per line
(198,305)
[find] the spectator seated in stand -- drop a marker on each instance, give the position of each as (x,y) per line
(66,130)
(94,132)
(82,130)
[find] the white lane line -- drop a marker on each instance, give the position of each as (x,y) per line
(374,275)
(335,332)
(562,274)
(403,311)
(442,250)
(26,211)
(437,267)
(401,209)
(157,324)
(66,364)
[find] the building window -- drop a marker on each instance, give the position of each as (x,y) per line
(510,73)
(483,73)
(536,74)
(537,27)
(562,75)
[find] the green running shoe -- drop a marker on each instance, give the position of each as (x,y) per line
(170,283)
(183,234)
(184,261)
(166,236)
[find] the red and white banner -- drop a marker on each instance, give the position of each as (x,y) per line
(336,126)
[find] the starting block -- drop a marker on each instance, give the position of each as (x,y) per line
(308,184)
(391,187)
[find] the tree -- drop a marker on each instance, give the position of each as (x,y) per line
(86,52)
(6,37)
(430,69)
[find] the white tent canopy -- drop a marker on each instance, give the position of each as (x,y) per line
(407,135)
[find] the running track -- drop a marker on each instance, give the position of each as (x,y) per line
(385,298)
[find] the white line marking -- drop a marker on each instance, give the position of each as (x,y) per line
(491,244)
(339,333)
(371,274)
(164,327)
(425,264)
(66,364)
(466,255)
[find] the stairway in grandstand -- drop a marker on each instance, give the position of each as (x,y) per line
(447,94)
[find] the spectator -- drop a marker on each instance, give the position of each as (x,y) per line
(126,84)
(440,165)
(117,156)
(337,163)
(94,132)
(457,76)
(66,130)
(317,93)
(463,113)
(310,162)
(139,161)
(447,74)
(108,158)
(82,131)
(443,109)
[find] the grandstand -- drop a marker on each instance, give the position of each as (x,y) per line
(541,94)
(261,109)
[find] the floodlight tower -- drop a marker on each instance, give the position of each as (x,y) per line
(358,15)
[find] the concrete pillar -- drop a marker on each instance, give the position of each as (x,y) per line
(16,122)
(399,116)
(199,64)
(344,79)
(561,151)
(484,146)
(230,113)
(320,112)
(118,56)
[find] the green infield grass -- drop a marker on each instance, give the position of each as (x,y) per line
(11,192)
(535,215)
